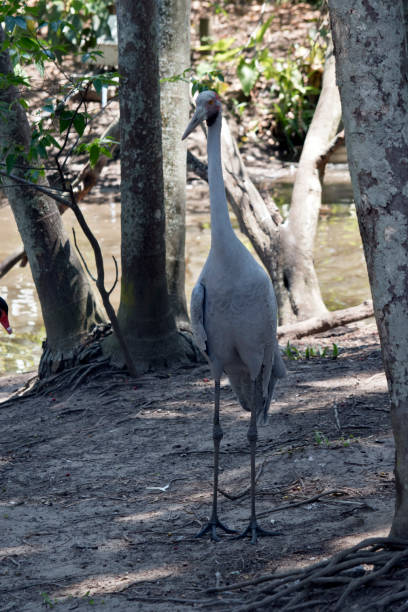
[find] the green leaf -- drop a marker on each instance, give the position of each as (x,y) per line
(261,32)
(97,83)
(80,123)
(10,161)
(94,152)
(28,44)
(65,120)
(77,5)
(248,75)
(24,103)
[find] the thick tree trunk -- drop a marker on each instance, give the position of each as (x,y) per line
(174,18)
(371,54)
(145,315)
(67,301)
(299,230)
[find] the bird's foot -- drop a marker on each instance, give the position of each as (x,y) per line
(254,530)
(211,527)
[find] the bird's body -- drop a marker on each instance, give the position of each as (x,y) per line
(236,310)
(233,308)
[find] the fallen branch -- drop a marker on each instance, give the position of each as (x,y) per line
(317,325)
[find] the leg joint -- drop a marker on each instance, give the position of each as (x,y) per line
(252,434)
(217,432)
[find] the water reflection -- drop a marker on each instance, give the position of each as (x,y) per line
(338,258)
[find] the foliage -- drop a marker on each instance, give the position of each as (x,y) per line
(50,29)
(294,91)
(46,32)
(322,440)
(294,82)
(293,353)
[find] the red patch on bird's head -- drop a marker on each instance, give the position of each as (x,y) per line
(5,322)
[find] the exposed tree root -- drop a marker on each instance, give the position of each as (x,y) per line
(377,566)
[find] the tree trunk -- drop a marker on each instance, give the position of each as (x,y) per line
(145,315)
(174,18)
(371,53)
(67,302)
(304,299)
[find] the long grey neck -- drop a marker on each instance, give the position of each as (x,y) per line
(221,229)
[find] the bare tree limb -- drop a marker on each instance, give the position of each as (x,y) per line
(8,263)
(336,143)
(47,190)
(316,325)
(100,280)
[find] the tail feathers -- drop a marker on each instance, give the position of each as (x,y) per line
(279,368)
(241,385)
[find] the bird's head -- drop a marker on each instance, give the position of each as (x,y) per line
(4,316)
(208,107)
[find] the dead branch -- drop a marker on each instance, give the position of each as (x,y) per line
(11,261)
(317,325)
(100,271)
(302,502)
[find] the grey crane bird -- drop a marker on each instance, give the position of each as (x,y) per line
(233,314)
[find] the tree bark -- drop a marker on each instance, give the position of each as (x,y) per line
(174,16)
(371,54)
(67,301)
(299,230)
(145,315)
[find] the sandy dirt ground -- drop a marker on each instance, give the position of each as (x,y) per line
(105,484)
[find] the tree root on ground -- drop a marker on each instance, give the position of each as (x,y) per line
(67,371)
(376,566)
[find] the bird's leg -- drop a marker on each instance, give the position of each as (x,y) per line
(214,522)
(253,528)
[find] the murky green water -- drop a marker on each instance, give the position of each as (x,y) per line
(338,256)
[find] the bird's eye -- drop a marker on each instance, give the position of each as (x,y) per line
(210,101)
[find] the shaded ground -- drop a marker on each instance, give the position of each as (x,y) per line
(103,487)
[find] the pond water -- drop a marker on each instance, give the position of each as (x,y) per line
(338,257)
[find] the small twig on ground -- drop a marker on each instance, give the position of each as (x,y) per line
(308,500)
(247,490)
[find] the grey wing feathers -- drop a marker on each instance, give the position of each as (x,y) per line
(197,316)
(241,385)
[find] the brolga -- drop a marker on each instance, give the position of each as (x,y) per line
(233,315)
(4,316)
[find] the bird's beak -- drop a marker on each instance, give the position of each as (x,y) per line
(5,322)
(198,117)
